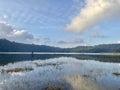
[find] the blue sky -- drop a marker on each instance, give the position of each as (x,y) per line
(63,23)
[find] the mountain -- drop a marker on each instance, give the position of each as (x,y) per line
(8,46)
(98,48)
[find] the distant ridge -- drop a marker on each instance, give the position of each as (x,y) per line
(9,46)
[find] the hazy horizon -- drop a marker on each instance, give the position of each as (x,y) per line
(60,46)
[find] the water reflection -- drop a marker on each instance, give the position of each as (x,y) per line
(64,73)
(10,58)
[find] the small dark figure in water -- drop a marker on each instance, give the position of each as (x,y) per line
(32,53)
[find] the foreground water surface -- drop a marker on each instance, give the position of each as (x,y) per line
(59,71)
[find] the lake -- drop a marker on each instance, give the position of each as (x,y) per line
(59,71)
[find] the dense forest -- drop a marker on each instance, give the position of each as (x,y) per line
(9,46)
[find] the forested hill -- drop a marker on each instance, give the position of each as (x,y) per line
(8,46)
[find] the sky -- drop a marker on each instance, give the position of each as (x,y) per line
(60,23)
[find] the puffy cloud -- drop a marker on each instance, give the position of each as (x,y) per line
(94,12)
(23,36)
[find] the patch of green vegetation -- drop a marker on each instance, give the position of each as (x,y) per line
(17,70)
(116,74)
(52,88)
(47,64)
(112,57)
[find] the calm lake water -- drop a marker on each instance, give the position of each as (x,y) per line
(63,71)
(10,57)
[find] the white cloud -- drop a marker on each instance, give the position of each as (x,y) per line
(23,36)
(118,42)
(93,13)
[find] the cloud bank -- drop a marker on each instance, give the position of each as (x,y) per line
(93,13)
(10,33)
(72,41)
(97,35)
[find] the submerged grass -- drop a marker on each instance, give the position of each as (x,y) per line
(17,70)
(59,75)
(111,57)
(53,88)
(116,74)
